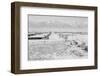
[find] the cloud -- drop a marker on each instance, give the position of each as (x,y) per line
(47,23)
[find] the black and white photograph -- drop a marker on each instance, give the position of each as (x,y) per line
(52,37)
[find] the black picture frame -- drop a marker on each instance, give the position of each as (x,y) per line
(15,37)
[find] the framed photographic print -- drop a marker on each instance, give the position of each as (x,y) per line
(52,37)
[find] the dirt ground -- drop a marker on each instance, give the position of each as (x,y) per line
(52,50)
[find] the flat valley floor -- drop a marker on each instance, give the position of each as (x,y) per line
(55,49)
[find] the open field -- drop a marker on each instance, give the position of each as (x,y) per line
(69,47)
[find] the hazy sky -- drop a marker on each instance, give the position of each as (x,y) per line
(42,23)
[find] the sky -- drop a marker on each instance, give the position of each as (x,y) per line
(47,23)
